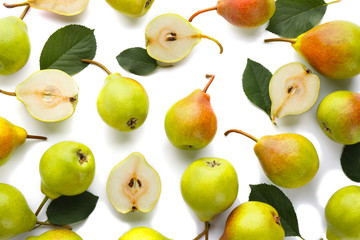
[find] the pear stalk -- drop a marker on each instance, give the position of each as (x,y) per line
(46,198)
(204,233)
(290,40)
(53,225)
(202,11)
(241,132)
(214,40)
(8,93)
(16,5)
(210,81)
(24,12)
(97,64)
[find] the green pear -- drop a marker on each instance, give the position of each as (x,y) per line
(191,123)
(338,115)
(289,160)
(253,221)
(342,214)
(67,168)
(331,48)
(11,137)
(56,234)
(14,45)
(15,215)
(131,8)
(143,233)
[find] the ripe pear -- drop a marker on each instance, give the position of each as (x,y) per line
(289,160)
(14,45)
(131,8)
(15,215)
(342,213)
(170,38)
(331,48)
(67,168)
(243,13)
(56,234)
(253,221)
(143,233)
(338,115)
(122,103)
(191,123)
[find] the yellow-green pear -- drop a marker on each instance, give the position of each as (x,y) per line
(143,233)
(131,8)
(57,234)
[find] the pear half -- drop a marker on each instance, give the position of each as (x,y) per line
(170,38)
(133,185)
(293,90)
(49,95)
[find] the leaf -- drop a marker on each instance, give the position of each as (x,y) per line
(273,196)
(255,83)
(69,209)
(350,161)
(137,60)
(294,17)
(66,47)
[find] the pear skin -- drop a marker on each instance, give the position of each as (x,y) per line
(143,233)
(131,8)
(57,234)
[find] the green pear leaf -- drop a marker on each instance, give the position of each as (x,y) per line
(66,47)
(294,17)
(137,61)
(350,161)
(255,81)
(69,209)
(273,196)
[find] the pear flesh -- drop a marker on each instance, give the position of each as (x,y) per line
(293,90)
(49,95)
(57,234)
(143,233)
(133,185)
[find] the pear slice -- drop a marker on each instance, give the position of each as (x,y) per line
(293,90)
(49,95)
(133,185)
(170,38)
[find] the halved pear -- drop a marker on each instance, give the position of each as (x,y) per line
(133,185)
(49,95)
(170,38)
(293,90)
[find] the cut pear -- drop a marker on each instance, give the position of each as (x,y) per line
(49,95)
(293,90)
(170,38)
(133,185)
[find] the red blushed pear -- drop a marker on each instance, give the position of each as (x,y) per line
(191,123)
(289,160)
(243,13)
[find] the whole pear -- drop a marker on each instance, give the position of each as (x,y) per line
(67,168)
(15,215)
(14,45)
(131,8)
(56,234)
(253,221)
(143,233)
(342,213)
(191,123)
(338,115)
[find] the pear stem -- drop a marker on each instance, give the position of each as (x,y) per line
(200,235)
(202,11)
(41,205)
(98,64)
(211,76)
(336,1)
(36,137)
(24,12)
(290,40)
(216,41)
(16,4)
(241,132)
(53,225)
(207,225)
(7,93)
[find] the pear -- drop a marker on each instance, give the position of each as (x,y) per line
(49,95)
(61,7)
(331,48)
(131,8)
(243,13)
(170,38)
(14,45)
(122,103)
(56,234)
(253,221)
(11,137)
(143,233)
(338,115)
(289,160)
(67,168)
(293,89)
(191,123)
(15,215)
(342,214)
(133,185)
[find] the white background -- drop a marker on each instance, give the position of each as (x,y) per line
(171,216)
